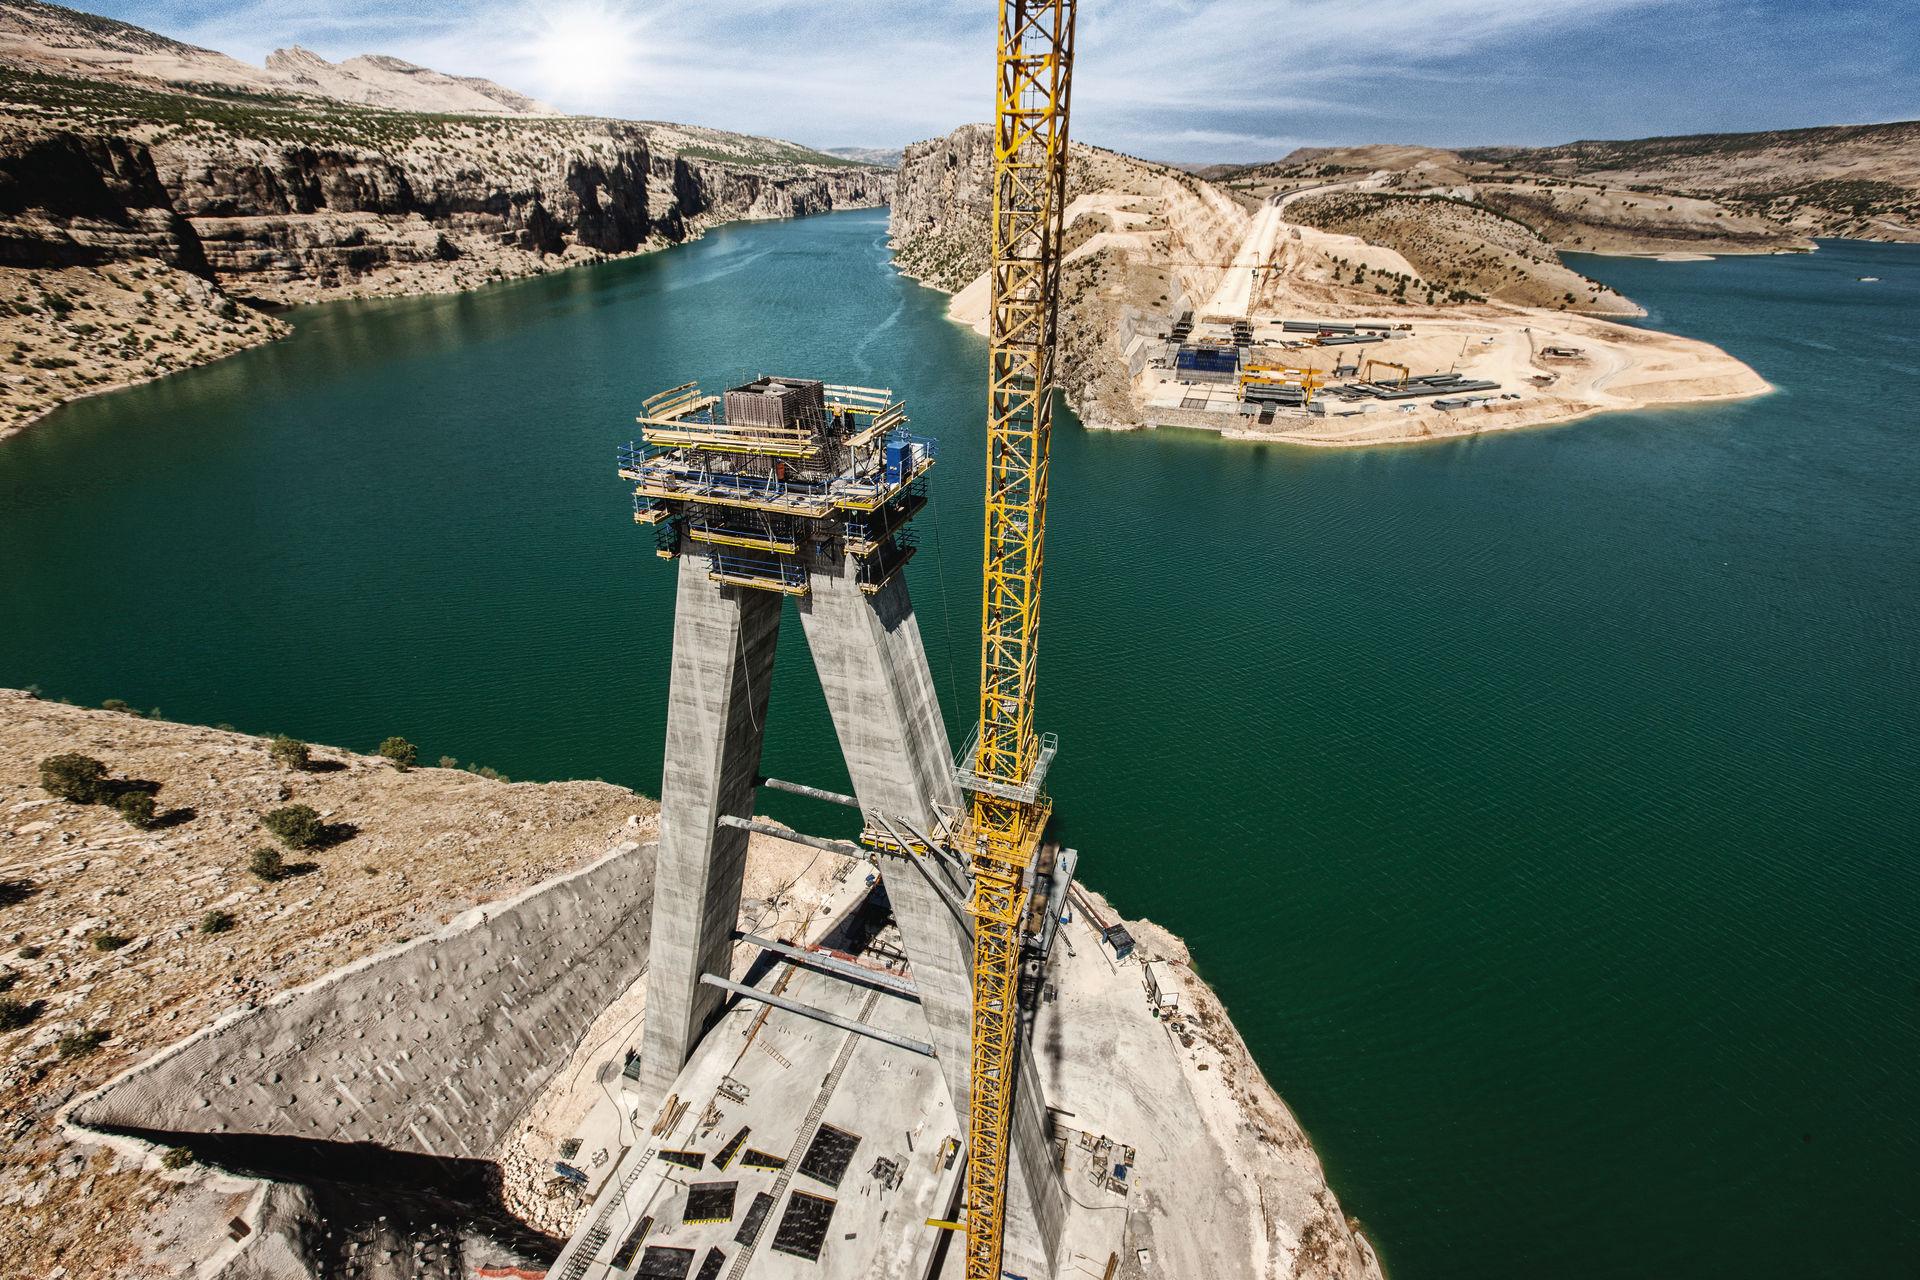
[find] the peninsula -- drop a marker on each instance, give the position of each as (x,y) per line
(1335,282)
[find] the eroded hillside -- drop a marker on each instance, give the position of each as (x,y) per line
(1855,181)
(122,939)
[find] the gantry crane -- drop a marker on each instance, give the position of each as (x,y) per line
(1009,808)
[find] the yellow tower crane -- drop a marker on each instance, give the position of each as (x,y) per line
(1007,767)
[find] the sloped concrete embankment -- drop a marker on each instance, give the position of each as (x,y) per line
(389,1084)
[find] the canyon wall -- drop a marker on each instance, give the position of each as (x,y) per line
(298,219)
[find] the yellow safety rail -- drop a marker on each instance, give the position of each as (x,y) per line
(1035,62)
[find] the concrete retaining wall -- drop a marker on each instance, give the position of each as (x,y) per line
(436,1046)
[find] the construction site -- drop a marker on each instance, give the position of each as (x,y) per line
(942,1058)
(1263,369)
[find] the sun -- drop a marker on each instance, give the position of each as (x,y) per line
(584,48)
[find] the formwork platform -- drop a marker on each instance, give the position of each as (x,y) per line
(769,478)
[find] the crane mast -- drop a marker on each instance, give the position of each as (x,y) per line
(1009,809)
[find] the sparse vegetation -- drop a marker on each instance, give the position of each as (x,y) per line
(400,752)
(74,777)
(266,864)
(136,807)
(298,826)
(177,1158)
(216,921)
(15,1014)
(107,940)
(78,1044)
(289,753)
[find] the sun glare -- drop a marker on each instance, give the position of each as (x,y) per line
(584,48)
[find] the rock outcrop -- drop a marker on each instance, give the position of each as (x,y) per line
(1141,239)
(942,206)
(71,200)
(51,39)
(458,202)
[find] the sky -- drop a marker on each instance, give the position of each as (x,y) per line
(1190,81)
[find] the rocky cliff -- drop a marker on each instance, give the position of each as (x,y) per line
(942,206)
(292,216)
(216,196)
(1141,241)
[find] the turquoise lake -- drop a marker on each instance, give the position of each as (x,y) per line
(1542,805)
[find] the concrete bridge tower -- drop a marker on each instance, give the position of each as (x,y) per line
(790,488)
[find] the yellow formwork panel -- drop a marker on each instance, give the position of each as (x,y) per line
(786,545)
(758,584)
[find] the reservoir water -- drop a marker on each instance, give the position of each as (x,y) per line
(1542,806)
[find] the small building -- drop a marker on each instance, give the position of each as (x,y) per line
(1117,937)
(1163,991)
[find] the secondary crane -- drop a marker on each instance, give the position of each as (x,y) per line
(1007,769)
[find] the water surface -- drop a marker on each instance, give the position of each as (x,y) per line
(1542,805)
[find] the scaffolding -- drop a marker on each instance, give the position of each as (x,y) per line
(775,476)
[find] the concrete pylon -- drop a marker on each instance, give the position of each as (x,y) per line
(873,670)
(723,645)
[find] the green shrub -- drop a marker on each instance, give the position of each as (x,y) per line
(117,704)
(75,777)
(79,1044)
(32,951)
(15,1014)
(297,825)
(266,864)
(107,940)
(401,752)
(177,1158)
(217,921)
(449,762)
(288,752)
(137,808)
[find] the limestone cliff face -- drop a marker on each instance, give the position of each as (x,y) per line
(67,200)
(449,207)
(942,206)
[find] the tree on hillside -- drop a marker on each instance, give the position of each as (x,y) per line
(401,752)
(297,825)
(288,752)
(75,777)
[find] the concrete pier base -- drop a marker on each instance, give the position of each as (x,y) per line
(873,668)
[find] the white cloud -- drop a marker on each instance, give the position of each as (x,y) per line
(1151,73)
